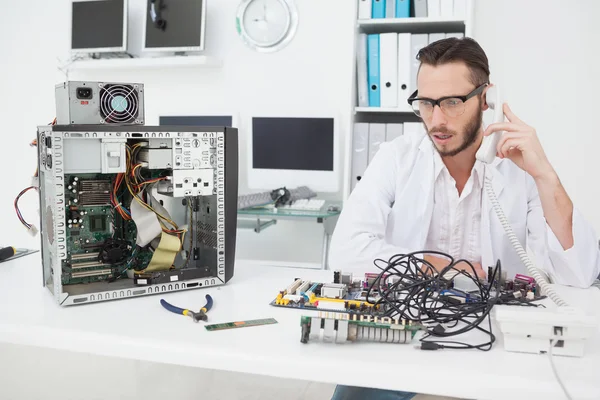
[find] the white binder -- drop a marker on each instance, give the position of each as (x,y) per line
(420,7)
(433,8)
(434,37)
(460,9)
(376,137)
(360,151)
(455,34)
(364,9)
(404,85)
(390,9)
(392,131)
(362,82)
(447,8)
(415,129)
(417,42)
(388,65)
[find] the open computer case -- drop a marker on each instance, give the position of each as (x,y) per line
(130,210)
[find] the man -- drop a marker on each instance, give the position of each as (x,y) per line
(427,193)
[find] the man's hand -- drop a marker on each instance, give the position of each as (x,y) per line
(441,263)
(521,145)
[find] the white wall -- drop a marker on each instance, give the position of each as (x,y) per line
(542,52)
(311,76)
(544,56)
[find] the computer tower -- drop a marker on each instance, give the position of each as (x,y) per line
(130,211)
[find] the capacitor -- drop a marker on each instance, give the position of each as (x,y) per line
(69,187)
(530,295)
(74,190)
(80,221)
(336,276)
(70,226)
(76,179)
(75,201)
(70,221)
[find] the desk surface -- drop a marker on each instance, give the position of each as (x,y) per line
(141,329)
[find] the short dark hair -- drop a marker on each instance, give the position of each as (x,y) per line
(464,50)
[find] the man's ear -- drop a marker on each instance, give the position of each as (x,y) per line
(484,105)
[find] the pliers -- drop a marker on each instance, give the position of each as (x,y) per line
(196,316)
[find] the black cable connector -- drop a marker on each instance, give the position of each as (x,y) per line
(430,346)
(438,330)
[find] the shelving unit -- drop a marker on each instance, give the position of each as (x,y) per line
(411,25)
(383,110)
(402,113)
(145,62)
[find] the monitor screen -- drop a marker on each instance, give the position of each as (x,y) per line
(184,23)
(293,144)
(203,120)
(98,24)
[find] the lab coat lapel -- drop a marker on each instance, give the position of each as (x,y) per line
(424,164)
(488,215)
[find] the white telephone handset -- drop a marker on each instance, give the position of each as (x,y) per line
(487,151)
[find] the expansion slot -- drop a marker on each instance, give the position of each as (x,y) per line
(302,288)
(292,288)
(84,256)
(89,264)
(91,273)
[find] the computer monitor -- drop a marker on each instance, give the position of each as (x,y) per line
(98,26)
(197,120)
(174,26)
(293,152)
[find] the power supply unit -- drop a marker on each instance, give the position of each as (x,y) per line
(92,103)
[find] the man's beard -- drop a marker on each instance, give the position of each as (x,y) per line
(469,137)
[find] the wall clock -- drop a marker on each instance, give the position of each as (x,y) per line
(267,25)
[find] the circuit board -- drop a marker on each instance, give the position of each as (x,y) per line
(240,324)
(94,228)
(349,295)
(340,328)
(343,295)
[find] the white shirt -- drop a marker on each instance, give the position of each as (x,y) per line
(455,226)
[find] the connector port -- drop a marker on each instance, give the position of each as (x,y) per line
(84,93)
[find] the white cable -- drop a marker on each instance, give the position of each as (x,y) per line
(540,280)
(560,382)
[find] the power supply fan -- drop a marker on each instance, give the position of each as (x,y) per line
(114,251)
(119,104)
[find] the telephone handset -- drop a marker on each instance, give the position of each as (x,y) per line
(487,151)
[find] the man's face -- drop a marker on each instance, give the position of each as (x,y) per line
(450,135)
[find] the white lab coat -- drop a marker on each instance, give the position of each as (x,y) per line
(390,210)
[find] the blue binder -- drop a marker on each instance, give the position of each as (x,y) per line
(402,8)
(373,70)
(378,8)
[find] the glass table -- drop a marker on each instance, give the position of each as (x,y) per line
(260,218)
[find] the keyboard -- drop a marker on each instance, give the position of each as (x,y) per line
(264,198)
(254,200)
(305,205)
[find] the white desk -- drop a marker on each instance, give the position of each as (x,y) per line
(141,329)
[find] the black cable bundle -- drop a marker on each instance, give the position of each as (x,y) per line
(410,288)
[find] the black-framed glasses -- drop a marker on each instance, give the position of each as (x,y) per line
(451,106)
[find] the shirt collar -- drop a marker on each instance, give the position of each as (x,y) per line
(439,166)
